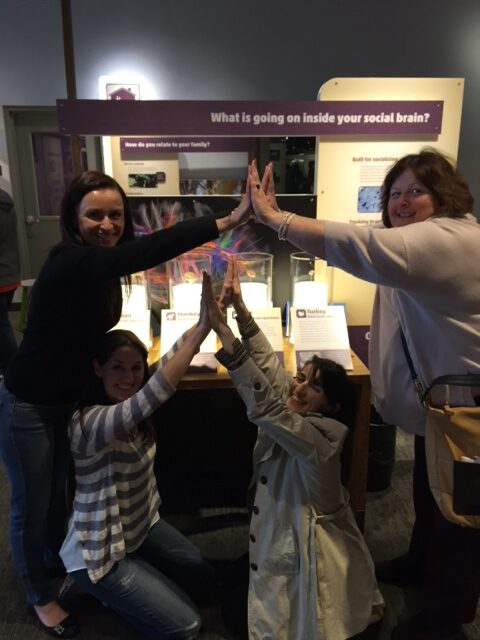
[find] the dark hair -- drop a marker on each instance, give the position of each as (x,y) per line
(449,189)
(76,191)
(94,390)
(338,388)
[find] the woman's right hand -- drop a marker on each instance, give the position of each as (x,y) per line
(264,203)
(204,325)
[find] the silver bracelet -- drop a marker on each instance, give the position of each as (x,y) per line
(283,228)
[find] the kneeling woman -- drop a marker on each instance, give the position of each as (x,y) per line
(117,547)
(311,574)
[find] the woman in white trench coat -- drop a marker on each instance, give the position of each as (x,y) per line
(311,574)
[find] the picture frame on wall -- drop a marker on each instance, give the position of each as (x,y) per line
(122,91)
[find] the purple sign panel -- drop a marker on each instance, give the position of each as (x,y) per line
(184,145)
(249,118)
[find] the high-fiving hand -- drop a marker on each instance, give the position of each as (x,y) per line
(232,291)
(262,192)
(243,211)
(210,311)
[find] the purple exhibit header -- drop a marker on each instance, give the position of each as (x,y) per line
(249,118)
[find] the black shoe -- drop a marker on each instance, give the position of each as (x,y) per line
(399,572)
(67,628)
(56,572)
(370,633)
(417,628)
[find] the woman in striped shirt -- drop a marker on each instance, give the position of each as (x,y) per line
(117,547)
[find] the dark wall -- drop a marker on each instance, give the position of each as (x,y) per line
(223,49)
(283,50)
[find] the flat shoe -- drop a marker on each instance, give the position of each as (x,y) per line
(370,633)
(67,628)
(398,572)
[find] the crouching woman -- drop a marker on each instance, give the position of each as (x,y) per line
(118,548)
(311,574)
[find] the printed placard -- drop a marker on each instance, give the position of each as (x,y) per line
(321,332)
(270,322)
(135,313)
(174,324)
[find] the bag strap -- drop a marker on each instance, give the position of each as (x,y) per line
(466,380)
(417,383)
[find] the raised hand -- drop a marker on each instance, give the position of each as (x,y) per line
(240,215)
(232,291)
(226,295)
(263,206)
(204,323)
(243,212)
(210,306)
(268,186)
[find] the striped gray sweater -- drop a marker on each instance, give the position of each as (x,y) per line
(116,497)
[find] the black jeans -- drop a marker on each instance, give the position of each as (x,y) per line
(448,554)
(8,344)
(35,450)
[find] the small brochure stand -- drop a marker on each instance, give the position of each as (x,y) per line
(321,332)
(174,324)
(270,322)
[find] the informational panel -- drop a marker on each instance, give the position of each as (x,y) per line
(269,321)
(322,332)
(152,172)
(363,126)
(174,324)
(350,170)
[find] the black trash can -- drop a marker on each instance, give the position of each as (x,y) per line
(381,452)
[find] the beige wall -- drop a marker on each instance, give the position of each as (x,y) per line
(345,164)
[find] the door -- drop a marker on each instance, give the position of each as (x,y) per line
(40,168)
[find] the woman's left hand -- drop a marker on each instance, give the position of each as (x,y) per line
(215,315)
(216,319)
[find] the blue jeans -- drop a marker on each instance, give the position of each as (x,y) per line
(8,344)
(35,451)
(149,587)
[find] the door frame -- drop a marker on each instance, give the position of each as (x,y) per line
(42,119)
(13,117)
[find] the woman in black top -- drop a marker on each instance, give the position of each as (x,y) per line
(75,300)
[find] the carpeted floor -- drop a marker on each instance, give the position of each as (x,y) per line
(222,535)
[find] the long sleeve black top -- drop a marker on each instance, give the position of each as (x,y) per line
(76,299)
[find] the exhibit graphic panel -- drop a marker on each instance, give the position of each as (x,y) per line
(153,172)
(152,214)
(363,125)
(350,170)
(249,117)
(156,166)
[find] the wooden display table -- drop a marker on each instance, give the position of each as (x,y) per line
(355,454)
